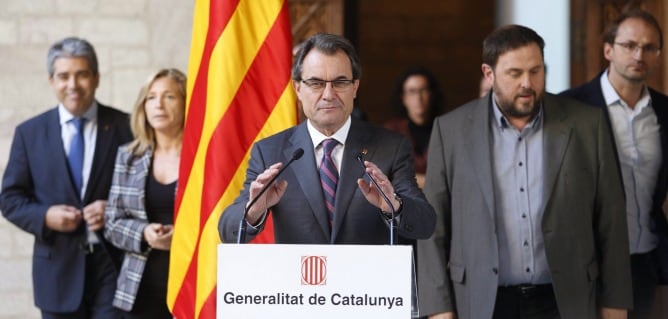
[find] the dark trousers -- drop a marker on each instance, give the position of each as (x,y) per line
(644,276)
(99,290)
(526,302)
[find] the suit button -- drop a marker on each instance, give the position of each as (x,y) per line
(408,227)
(495,270)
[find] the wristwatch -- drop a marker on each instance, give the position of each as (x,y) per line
(401,203)
(388,215)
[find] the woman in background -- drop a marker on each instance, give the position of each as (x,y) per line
(417,99)
(140,209)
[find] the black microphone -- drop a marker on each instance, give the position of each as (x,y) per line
(360,158)
(241,236)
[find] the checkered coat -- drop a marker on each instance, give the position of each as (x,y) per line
(125,221)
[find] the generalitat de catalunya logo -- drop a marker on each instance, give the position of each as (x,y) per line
(314,270)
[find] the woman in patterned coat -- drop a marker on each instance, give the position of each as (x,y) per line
(140,209)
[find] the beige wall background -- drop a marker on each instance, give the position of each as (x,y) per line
(132,38)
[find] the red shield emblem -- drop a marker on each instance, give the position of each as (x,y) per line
(314,270)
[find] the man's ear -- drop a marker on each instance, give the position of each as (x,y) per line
(487,72)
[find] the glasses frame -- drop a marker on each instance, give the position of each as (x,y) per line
(631,47)
(318,85)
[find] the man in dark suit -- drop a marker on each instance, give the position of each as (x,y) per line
(638,116)
(56,184)
(322,198)
(530,207)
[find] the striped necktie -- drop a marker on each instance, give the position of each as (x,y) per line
(329,176)
(75,157)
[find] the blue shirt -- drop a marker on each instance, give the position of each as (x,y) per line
(518,196)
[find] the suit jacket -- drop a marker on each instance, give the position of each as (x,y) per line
(37,177)
(592,94)
(301,217)
(126,219)
(583,223)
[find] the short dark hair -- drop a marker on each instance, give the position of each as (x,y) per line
(71,47)
(328,44)
(611,31)
(507,38)
(436,99)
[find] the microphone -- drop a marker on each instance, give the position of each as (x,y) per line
(360,158)
(241,236)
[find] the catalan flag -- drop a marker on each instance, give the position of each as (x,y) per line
(239,91)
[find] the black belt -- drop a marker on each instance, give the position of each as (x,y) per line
(527,291)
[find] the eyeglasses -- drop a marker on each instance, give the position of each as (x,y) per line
(631,47)
(339,85)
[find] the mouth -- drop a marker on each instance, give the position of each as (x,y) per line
(638,67)
(328,107)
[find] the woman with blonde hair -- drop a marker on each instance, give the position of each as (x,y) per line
(140,209)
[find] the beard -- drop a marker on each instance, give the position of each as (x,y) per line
(512,107)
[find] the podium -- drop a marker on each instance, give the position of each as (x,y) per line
(314,281)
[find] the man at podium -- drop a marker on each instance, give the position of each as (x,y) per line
(352,178)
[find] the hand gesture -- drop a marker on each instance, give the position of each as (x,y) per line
(63,218)
(159,236)
(93,214)
(270,197)
(372,194)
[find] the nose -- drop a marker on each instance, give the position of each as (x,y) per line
(328,92)
(72,82)
(526,81)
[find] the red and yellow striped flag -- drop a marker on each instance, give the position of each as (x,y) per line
(239,91)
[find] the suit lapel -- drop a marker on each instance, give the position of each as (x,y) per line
(350,171)
(307,175)
(478,139)
(103,143)
(556,133)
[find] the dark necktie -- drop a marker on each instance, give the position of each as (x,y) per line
(329,176)
(75,158)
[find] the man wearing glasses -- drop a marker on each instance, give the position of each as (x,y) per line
(324,197)
(638,117)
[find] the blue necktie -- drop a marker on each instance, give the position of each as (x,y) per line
(329,176)
(75,158)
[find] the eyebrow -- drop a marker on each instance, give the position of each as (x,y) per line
(340,77)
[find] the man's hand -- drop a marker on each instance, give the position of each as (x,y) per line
(269,198)
(444,315)
(93,214)
(63,218)
(372,194)
(159,236)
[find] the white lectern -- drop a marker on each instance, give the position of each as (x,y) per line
(314,281)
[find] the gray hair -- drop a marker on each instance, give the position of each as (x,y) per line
(71,47)
(328,44)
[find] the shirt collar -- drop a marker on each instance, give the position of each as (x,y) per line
(502,122)
(611,97)
(318,137)
(66,116)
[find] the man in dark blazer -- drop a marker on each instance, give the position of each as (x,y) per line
(638,117)
(350,211)
(530,207)
(74,269)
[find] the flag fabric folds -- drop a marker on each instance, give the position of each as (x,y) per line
(239,91)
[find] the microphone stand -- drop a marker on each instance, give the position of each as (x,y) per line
(241,236)
(415,309)
(360,158)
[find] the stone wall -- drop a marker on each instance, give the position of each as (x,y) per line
(133,38)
